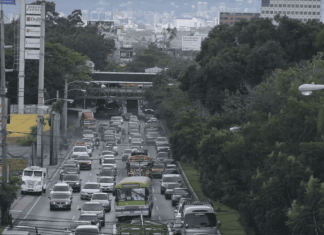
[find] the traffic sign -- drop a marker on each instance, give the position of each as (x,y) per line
(8,2)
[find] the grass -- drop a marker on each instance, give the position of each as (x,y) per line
(1,229)
(228,216)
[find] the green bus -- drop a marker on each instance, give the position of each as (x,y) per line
(133,197)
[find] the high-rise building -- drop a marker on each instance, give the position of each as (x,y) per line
(199,9)
(231,17)
(205,10)
(296,9)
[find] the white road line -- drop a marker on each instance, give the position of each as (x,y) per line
(157,208)
(31,209)
(159,217)
(73,217)
(155,198)
(90,174)
(153,190)
(15,210)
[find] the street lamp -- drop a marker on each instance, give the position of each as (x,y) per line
(65,98)
(307,89)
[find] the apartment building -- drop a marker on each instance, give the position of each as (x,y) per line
(231,17)
(303,10)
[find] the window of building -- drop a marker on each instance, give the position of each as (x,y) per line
(314,6)
(309,13)
(271,12)
(280,5)
(301,13)
(275,12)
(288,5)
(267,12)
(276,5)
(292,13)
(288,12)
(301,6)
(292,5)
(305,12)
(318,6)
(296,12)
(262,12)
(279,12)
(284,5)
(309,6)
(271,5)
(318,13)
(305,6)
(314,13)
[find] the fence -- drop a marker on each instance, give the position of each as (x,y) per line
(29,109)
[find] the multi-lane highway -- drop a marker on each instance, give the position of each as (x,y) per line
(38,213)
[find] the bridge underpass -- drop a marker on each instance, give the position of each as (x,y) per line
(123,77)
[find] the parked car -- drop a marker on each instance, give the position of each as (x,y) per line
(87,229)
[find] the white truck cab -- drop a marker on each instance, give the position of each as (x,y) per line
(34,180)
(80,149)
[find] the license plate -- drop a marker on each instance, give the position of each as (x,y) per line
(60,206)
(131,211)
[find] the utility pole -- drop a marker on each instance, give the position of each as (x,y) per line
(21,76)
(65,106)
(41,86)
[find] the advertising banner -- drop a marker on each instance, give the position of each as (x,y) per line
(32,43)
(191,43)
(1,173)
(31,54)
(33,9)
(8,2)
(33,20)
(32,32)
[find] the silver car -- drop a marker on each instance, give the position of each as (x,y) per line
(104,199)
(169,189)
(107,184)
(167,179)
(86,219)
(88,189)
(94,208)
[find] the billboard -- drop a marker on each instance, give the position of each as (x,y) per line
(103,26)
(33,9)
(32,43)
(31,54)
(32,32)
(33,20)
(126,53)
(191,43)
(8,2)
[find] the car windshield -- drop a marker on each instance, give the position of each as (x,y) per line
(127,151)
(170,179)
(159,166)
(91,186)
(61,188)
(80,149)
(171,171)
(92,207)
(131,194)
(87,231)
(28,173)
(180,191)
(197,220)
(87,140)
(172,186)
(109,161)
(153,134)
(106,180)
(70,168)
(107,153)
(103,196)
(60,196)
(74,156)
(106,173)
(161,139)
(83,158)
(136,144)
(163,155)
(88,218)
(71,178)
(110,137)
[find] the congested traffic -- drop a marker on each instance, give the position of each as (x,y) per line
(118,172)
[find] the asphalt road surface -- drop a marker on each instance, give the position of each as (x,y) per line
(38,213)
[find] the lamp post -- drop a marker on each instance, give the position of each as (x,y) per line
(307,89)
(66,84)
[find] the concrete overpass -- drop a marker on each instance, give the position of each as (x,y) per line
(123,77)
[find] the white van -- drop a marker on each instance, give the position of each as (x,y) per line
(149,85)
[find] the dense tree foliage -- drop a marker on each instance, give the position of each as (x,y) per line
(247,53)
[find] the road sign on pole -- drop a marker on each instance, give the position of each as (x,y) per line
(8,2)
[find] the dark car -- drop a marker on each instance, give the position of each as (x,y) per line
(70,169)
(60,200)
(169,189)
(179,193)
(73,181)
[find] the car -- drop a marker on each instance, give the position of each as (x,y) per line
(161,141)
(151,137)
(105,173)
(117,118)
(126,152)
(88,189)
(74,157)
(117,125)
(163,148)
(88,141)
(166,179)
(87,134)
(109,161)
(179,207)
(80,150)
(157,169)
(133,118)
(136,136)
(107,183)
(68,169)
(124,157)
(102,157)
(62,188)
(169,189)
(179,193)
(136,145)
(133,131)
(104,199)
(72,161)
(86,219)
(94,208)
(126,116)
(87,229)
(103,126)
(60,200)
(113,148)
(85,162)
(73,181)
(164,157)
(152,123)
(110,139)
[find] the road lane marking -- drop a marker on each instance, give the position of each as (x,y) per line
(90,174)
(157,208)
(155,198)
(159,217)
(73,217)
(31,209)
(153,190)
(15,210)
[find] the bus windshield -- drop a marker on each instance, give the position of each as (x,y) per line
(131,194)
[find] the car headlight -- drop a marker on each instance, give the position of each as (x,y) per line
(53,203)
(67,202)
(77,183)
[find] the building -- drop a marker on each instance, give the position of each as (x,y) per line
(231,17)
(302,10)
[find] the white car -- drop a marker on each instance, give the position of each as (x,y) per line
(89,150)
(107,183)
(88,134)
(88,189)
(80,150)
(108,155)
(117,119)
(62,188)
(104,199)
(109,162)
